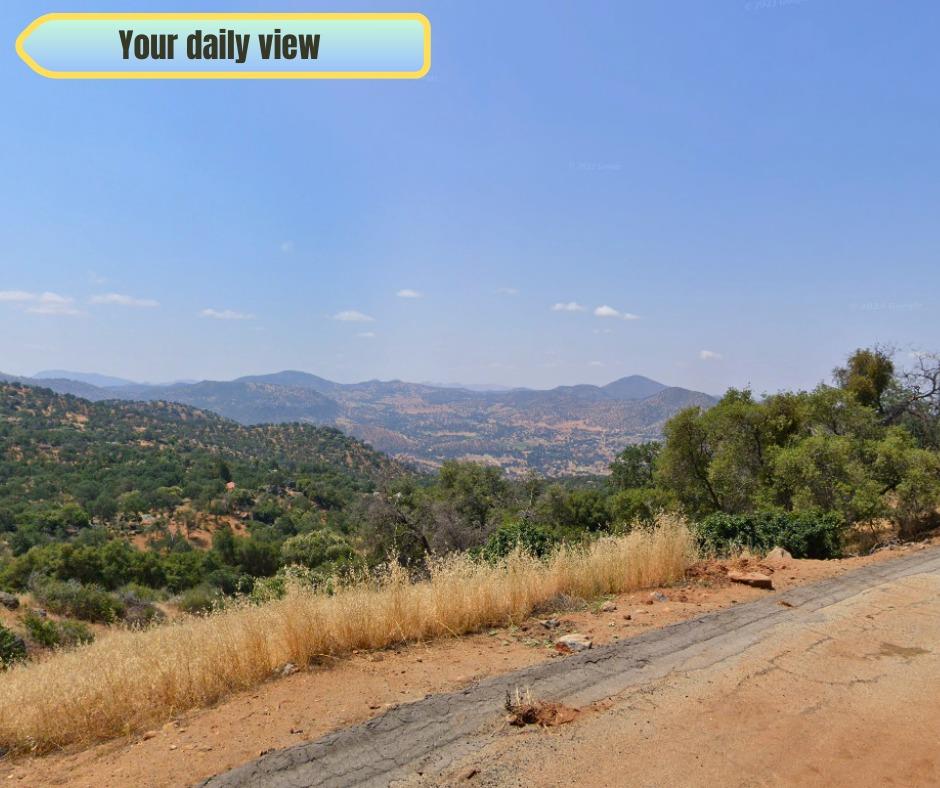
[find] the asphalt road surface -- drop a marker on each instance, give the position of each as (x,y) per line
(835,683)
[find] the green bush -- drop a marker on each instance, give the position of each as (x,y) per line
(52,634)
(87,602)
(529,537)
(41,631)
(201,599)
(804,535)
(74,633)
(12,648)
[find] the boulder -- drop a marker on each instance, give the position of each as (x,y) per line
(9,601)
(778,554)
(575,641)
(753,579)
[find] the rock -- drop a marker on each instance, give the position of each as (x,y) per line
(753,579)
(550,623)
(658,596)
(627,617)
(778,554)
(608,607)
(149,735)
(575,641)
(289,669)
(9,601)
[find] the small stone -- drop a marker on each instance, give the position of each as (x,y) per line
(657,596)
(752,579)
(549,623)
(627,617)
(289,669)
(149,735)
(608,607)
(575,641)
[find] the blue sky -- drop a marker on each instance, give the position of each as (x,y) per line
(756,183)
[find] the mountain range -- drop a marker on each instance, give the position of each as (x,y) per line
(561,431)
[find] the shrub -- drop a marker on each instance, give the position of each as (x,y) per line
(51,634)
(139,610)
(200,599)
(87,602)
(804,535)
(530,538)
(316,549)
(12,648)
(42,631)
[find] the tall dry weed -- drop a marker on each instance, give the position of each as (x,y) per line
(132,680)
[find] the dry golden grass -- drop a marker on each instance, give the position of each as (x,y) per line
(132,680)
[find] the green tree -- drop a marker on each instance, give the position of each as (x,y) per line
(633,467)
(867,374)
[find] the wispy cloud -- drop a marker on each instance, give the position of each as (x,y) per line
(510,291)
(53,304)
(366,334)
(595,363)
(17,296)
(608,311)
(408,293)
(710,355)
(569,306)
(119,299)
(225,314)
(353,316)
(41,303)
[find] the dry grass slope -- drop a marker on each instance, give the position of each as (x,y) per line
(132,680)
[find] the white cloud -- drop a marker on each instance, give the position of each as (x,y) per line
(225,314)
(366,334)
(17,296)
(609,311)
(510,291)
(570,306)
(595,363)
(124,300)
(353,316)
(41,303)
(710,355)
(408,293)
(53,304)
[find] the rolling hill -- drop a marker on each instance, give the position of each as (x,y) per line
(566,430)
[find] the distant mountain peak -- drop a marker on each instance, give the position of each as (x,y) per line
(633,387)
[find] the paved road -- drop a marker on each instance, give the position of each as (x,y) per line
(729,698)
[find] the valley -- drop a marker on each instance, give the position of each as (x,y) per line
(568,430)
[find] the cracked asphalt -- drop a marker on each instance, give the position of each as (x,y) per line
(833,683)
